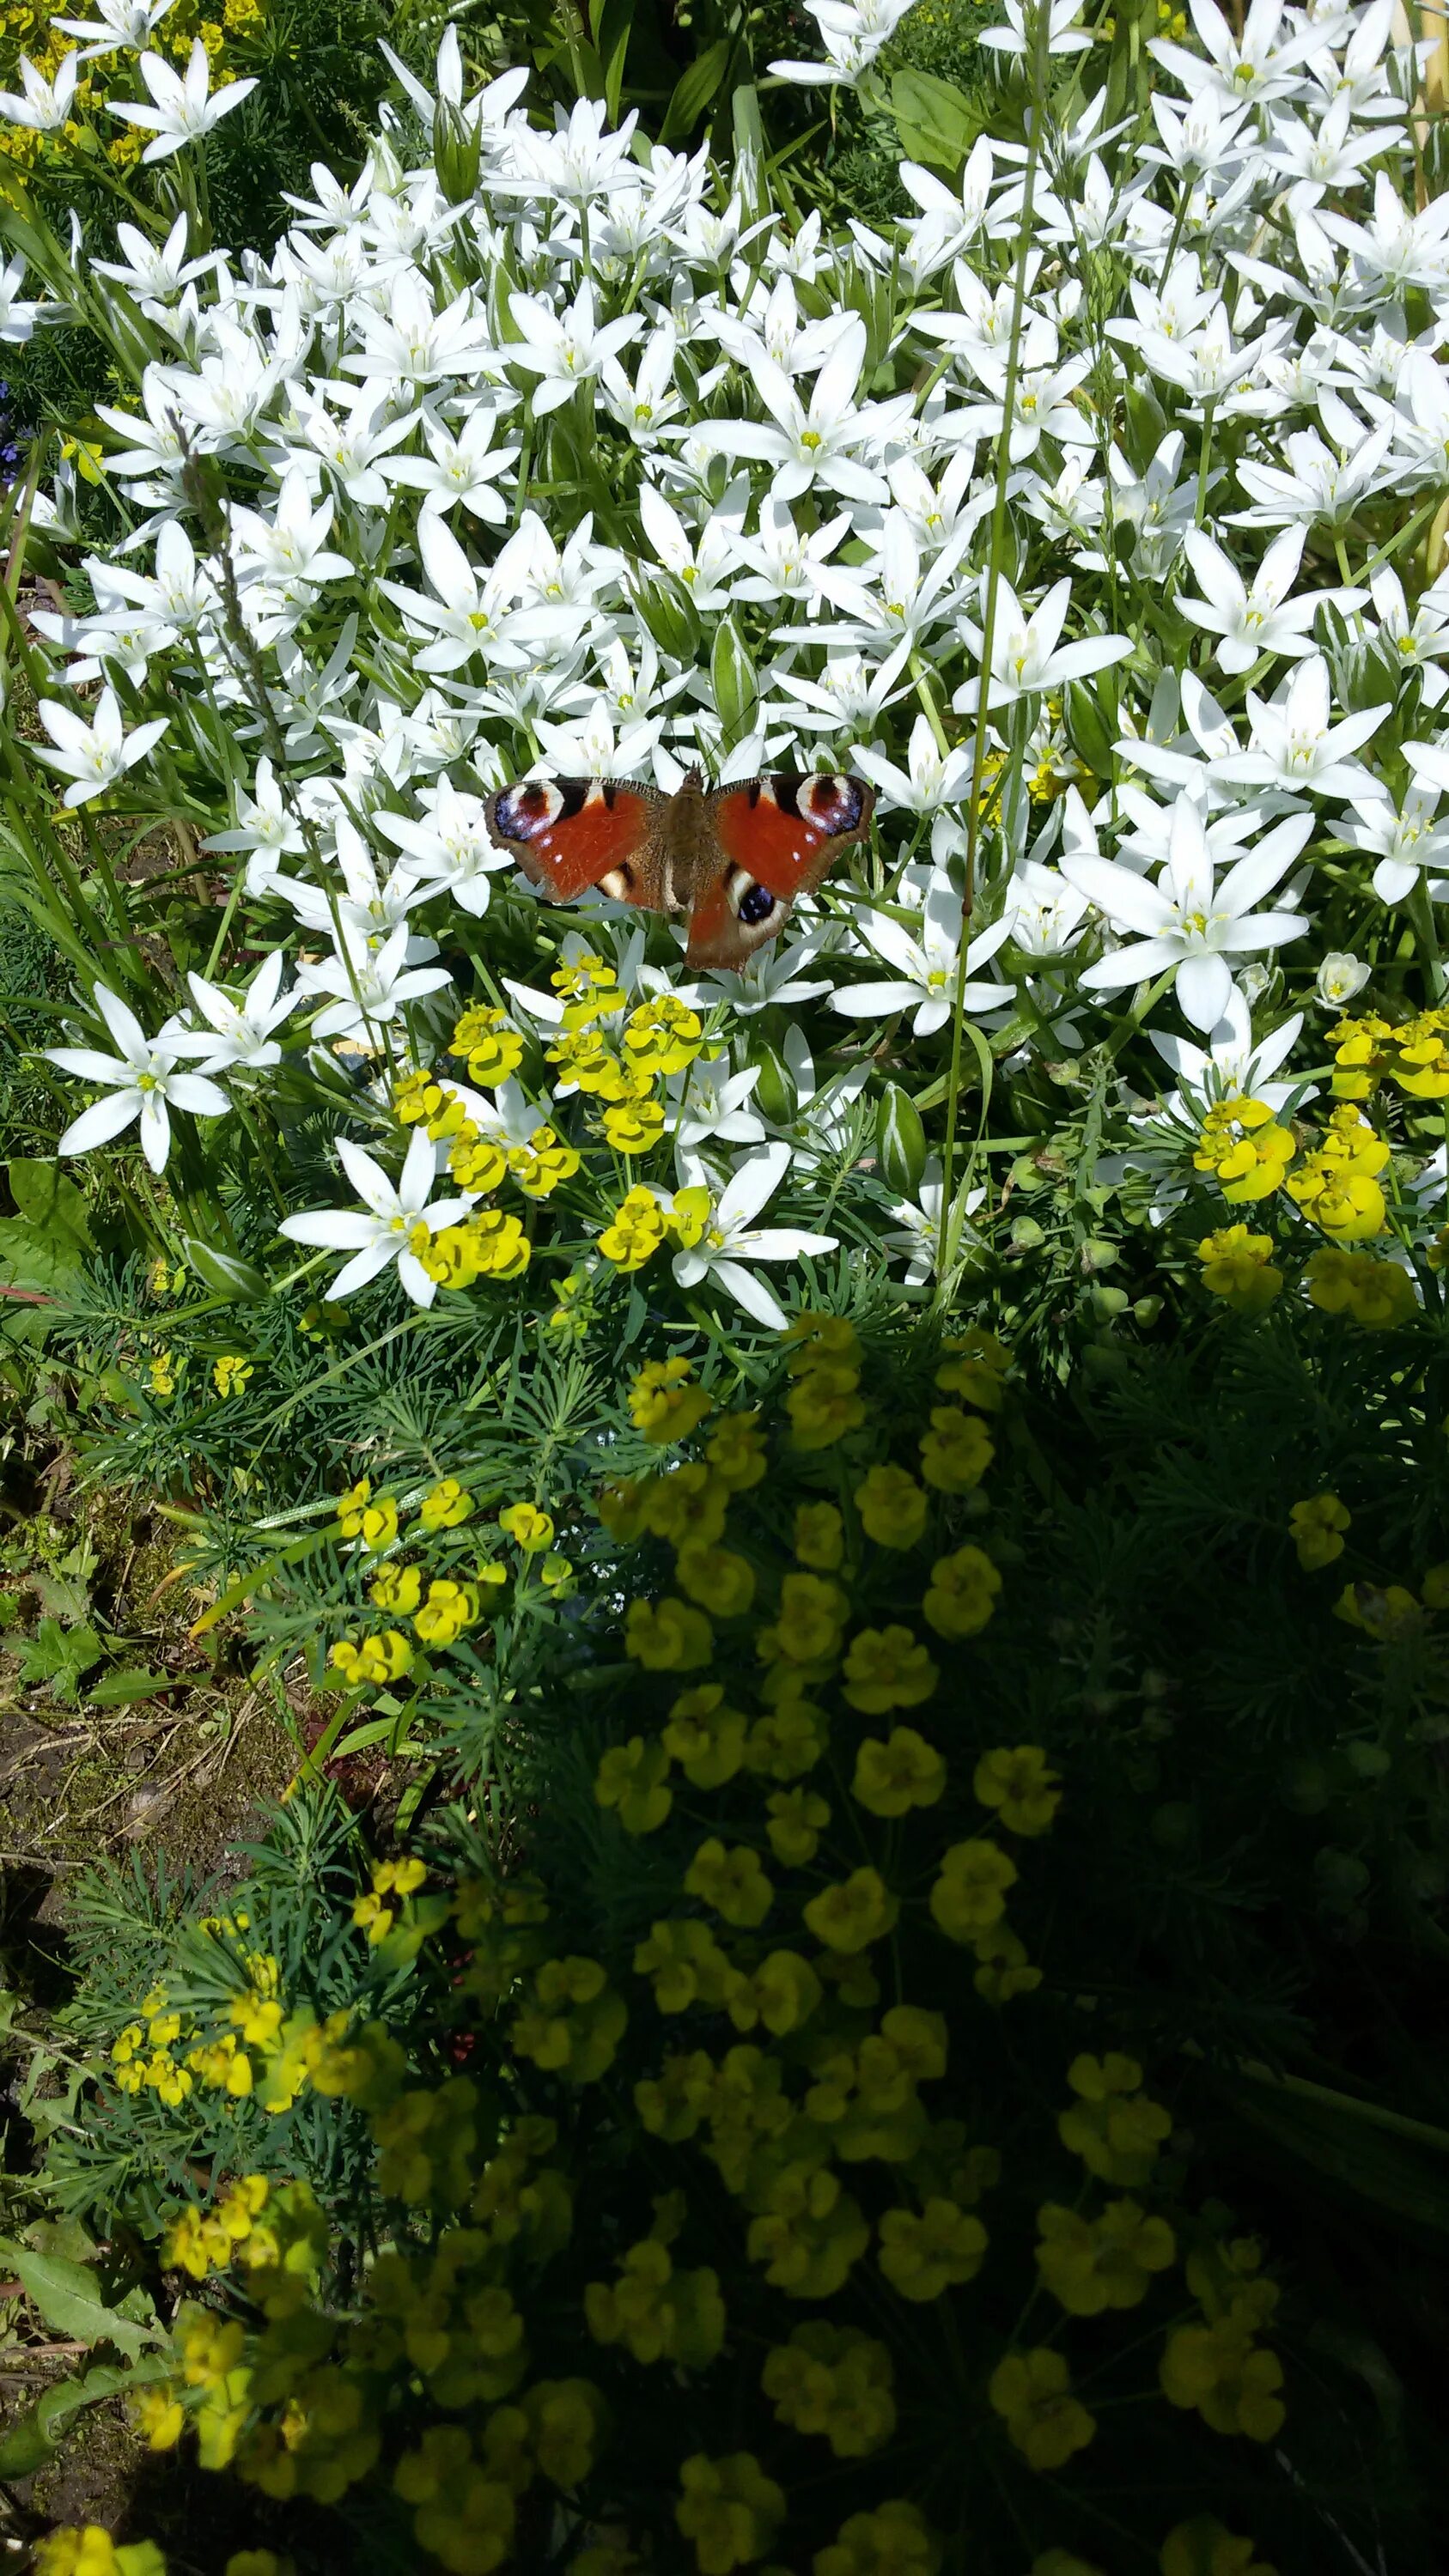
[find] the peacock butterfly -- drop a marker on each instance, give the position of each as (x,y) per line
(732,858)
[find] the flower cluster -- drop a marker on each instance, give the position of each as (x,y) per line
(559,456)
(823,2202)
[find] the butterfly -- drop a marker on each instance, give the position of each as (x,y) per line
(732,858)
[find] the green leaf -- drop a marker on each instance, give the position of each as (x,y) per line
(50,1204)
(1401,2164)
(935,120)
(694,90)
(26,2446)
(66,2296)
(611,23)
(59,1656)
(222,1272)
(123,1689)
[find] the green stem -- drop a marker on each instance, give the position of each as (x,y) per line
(1040,62)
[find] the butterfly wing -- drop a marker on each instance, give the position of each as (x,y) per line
(568,834)
(769,843)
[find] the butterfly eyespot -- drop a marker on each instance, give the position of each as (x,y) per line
(756,905)
(526,810)
(835,801)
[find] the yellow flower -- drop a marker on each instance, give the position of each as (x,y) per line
(491,1044)
(798,1818)
(824,1406)
(383,1658)
(922,2255)
(231,1374)
(667,1636)
(572,2021)
(1031,2391)
(835,2381)
(1317,1528)
(1205,2547)
(1025,1794)
(733,1882)
(634,1232)
(661,1035)
(735,1450)
(704,1737)
(892,1507)
(529,1528)
(1242,1143)
(783,1992)
(886,1668)
(854,1912)
(819,1536)
(895,2540)
(630,1779)
(620,1503)
(970,1894)
(664,1404)
(539,1166)
(685,1503)
(477,1163)
(1232,2382)
(633,1126)
(729,2509)
(716,1578)
(904,1772)
(445,1506)
(1112,2125)
(812,1616)
(448,1610)
(956,1451)
(373,1521)
(158,2418)
(1375,1293)
(962,1593)
(687,1966)
(1388,1610)
(90,2551)
(818,1341)
(1090,2265)
(975,1369)
(1336,1185)
(1238,1267)
(396,1587)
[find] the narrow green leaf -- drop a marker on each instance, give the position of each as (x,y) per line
(694,91)
(124,1689)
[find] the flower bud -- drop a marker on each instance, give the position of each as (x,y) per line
(222,1272)
(1087,725)
(775,1095)
(735,684)
(457,146)
(670,615)
(900,1140)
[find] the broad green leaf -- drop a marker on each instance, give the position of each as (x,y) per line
(59,1656)
(935,120)
(50,1204)
(25,2447)
(66,2295)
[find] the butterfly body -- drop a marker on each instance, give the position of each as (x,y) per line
(731,859)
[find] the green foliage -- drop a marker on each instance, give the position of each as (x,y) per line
(863,1556)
